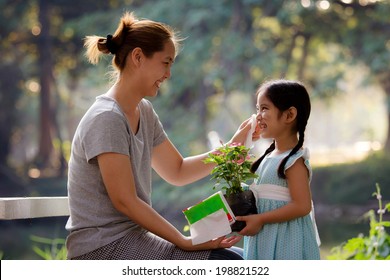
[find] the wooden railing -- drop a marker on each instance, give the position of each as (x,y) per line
(13,208)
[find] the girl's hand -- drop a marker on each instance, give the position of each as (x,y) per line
(253,224)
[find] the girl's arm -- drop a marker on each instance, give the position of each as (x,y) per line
(118,178)
(299,206)
(176,170)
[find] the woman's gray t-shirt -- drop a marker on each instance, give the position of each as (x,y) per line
(93,221)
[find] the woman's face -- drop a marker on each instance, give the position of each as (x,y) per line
(157,68)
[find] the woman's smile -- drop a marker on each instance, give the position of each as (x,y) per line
(158,84)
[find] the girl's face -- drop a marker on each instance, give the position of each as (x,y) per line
(157,69)
(269,117)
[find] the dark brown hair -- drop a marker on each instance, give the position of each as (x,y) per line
(285,94)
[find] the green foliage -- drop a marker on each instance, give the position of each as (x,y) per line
(375,246)
(349,183)
(232,167)
(49,249)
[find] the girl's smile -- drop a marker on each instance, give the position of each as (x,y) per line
(261,125)
(267,117)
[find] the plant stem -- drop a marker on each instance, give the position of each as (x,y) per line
(378,189)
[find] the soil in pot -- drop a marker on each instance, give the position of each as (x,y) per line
(242,204)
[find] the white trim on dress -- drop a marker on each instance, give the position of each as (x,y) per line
(275,192)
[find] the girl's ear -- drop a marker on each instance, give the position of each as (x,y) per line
(291,114)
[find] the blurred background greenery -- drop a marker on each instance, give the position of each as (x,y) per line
(339,48)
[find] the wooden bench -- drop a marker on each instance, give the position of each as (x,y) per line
(12,208)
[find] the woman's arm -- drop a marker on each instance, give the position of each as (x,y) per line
(299,206)
(118,178)
(176,170)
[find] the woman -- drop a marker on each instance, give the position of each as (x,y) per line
(116,144)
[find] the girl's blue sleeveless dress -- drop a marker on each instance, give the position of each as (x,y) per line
(292,240)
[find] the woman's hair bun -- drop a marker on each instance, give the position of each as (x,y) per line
(111,46)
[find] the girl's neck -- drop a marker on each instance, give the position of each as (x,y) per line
(286,144)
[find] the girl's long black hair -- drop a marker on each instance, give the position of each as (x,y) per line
(285,94)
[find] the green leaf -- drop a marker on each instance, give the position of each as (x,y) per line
(354,244)
(385,223)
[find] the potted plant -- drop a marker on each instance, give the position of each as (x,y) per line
(232,171)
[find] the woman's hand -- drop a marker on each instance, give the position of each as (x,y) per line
(256,133)
(218,243)
(225,242)
(243,130)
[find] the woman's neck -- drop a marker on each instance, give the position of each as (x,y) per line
(125,96)
(128,102)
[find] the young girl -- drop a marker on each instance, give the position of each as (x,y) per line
(284,228)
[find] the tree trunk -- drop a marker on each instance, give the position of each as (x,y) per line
(288,58)
(9,94)
(384,81)
(45,72)
(387,142)
(305,55)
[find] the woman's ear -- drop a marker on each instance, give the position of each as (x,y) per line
(291,114)
(136,56)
